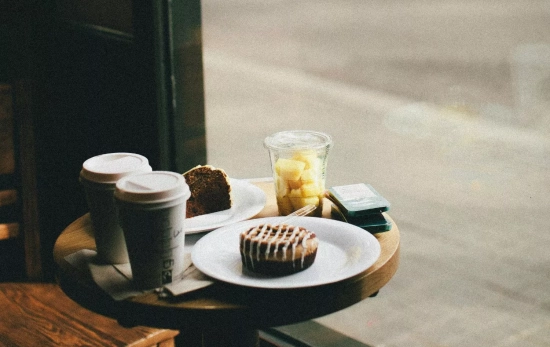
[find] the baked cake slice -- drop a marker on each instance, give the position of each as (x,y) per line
(210,190)
(277,249)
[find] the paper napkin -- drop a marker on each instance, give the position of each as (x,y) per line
(116,279)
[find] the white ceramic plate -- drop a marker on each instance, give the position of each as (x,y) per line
(248,200)
(344,251)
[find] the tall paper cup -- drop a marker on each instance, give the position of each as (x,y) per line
(152,213)
(299,162)
(98,176)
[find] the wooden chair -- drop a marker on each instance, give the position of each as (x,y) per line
(20,257)
(40,314)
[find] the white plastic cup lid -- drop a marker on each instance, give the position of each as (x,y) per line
(109,168)
(152,187)
(298,140)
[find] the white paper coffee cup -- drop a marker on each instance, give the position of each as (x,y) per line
(152,212)
(98,176)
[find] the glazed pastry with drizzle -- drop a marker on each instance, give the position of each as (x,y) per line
(277,249)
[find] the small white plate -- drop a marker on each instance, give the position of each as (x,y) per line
(248,200)
(344,251)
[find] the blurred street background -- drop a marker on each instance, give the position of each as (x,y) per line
(442,106)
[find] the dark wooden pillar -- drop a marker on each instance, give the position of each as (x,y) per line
(106,76)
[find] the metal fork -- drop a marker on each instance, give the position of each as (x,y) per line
(300,212)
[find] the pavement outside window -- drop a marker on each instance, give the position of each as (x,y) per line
(436,105)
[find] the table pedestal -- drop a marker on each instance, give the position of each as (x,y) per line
(217,337)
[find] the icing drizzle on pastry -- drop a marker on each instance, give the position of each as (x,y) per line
(278,238)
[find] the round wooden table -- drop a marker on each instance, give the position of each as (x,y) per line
(223,314)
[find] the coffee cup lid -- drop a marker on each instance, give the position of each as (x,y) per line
(152,187)
(109,168)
